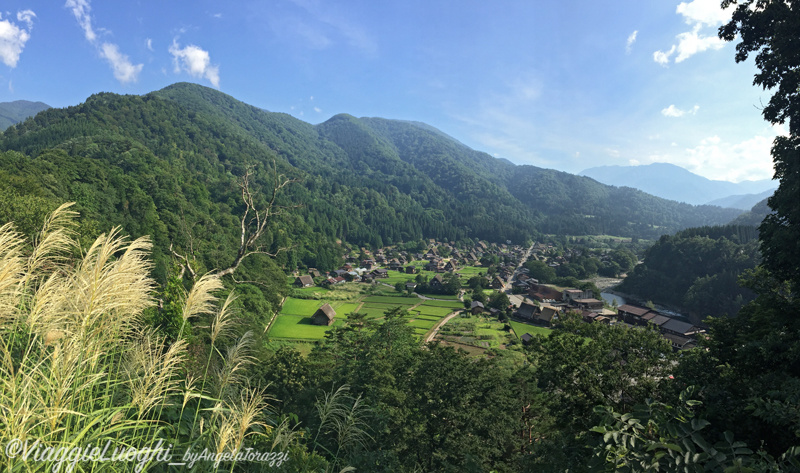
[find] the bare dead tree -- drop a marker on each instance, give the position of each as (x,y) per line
(254,222)
(186,267)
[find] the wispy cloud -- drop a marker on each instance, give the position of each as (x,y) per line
(321,25)
(662,57)
(81,10)
(124,70)
(630,41)
(195,61)
(700,15)
(673,111)
(121,66)
(13,37)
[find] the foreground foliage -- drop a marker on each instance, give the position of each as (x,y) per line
(80,367)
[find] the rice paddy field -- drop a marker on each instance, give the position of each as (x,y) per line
(477,331)
(521,328)
(294,320)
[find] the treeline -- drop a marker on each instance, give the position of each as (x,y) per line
(697,270)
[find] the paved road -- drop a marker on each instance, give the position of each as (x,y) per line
(507,286)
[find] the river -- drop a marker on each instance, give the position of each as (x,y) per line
(610,298)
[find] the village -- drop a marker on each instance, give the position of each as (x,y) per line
(485,281)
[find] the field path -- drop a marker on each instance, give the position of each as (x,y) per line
(435,329)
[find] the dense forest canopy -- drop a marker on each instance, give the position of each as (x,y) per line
(697,270)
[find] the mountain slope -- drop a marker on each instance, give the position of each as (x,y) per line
(19,110)
(674,183)
(743,201)
(166,164)
(754,216)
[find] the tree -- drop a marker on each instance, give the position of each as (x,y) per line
(259,213)
(499,300)
(659,437)
(768,28)
(540,271)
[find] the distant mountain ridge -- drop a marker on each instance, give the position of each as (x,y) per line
(17,111)
(744,202)
(673,182)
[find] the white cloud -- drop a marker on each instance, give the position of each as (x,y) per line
(122,67)
(26,16)
(124,70)
(634,162)
(717,159)
(692,42)
(673,111)
(195,61)
(81,9)
(149,44)
(703,12)
(317,109)
(698,14)
(662,57)
(630,41)
(14,37)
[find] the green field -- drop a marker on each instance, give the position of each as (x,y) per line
(372,305)
(304,307)
(344,308)
(442,296)
(395,276)
(434,311)
(296,327)
(392,300)
(420,323)
(294,320)
(451,304)
(521,328)
(469,271)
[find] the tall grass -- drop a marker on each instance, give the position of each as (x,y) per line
(79,366)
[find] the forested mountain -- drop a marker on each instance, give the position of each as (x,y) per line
(18,110)
(755,216)
(167,164)
(697,270)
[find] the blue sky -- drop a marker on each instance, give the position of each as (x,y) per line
(559,84)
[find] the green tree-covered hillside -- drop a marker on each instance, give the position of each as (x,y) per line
(697,270)
(169,164)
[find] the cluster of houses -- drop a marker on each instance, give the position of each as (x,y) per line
(345,273)
(370,268)
(682,335)
(551,302)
